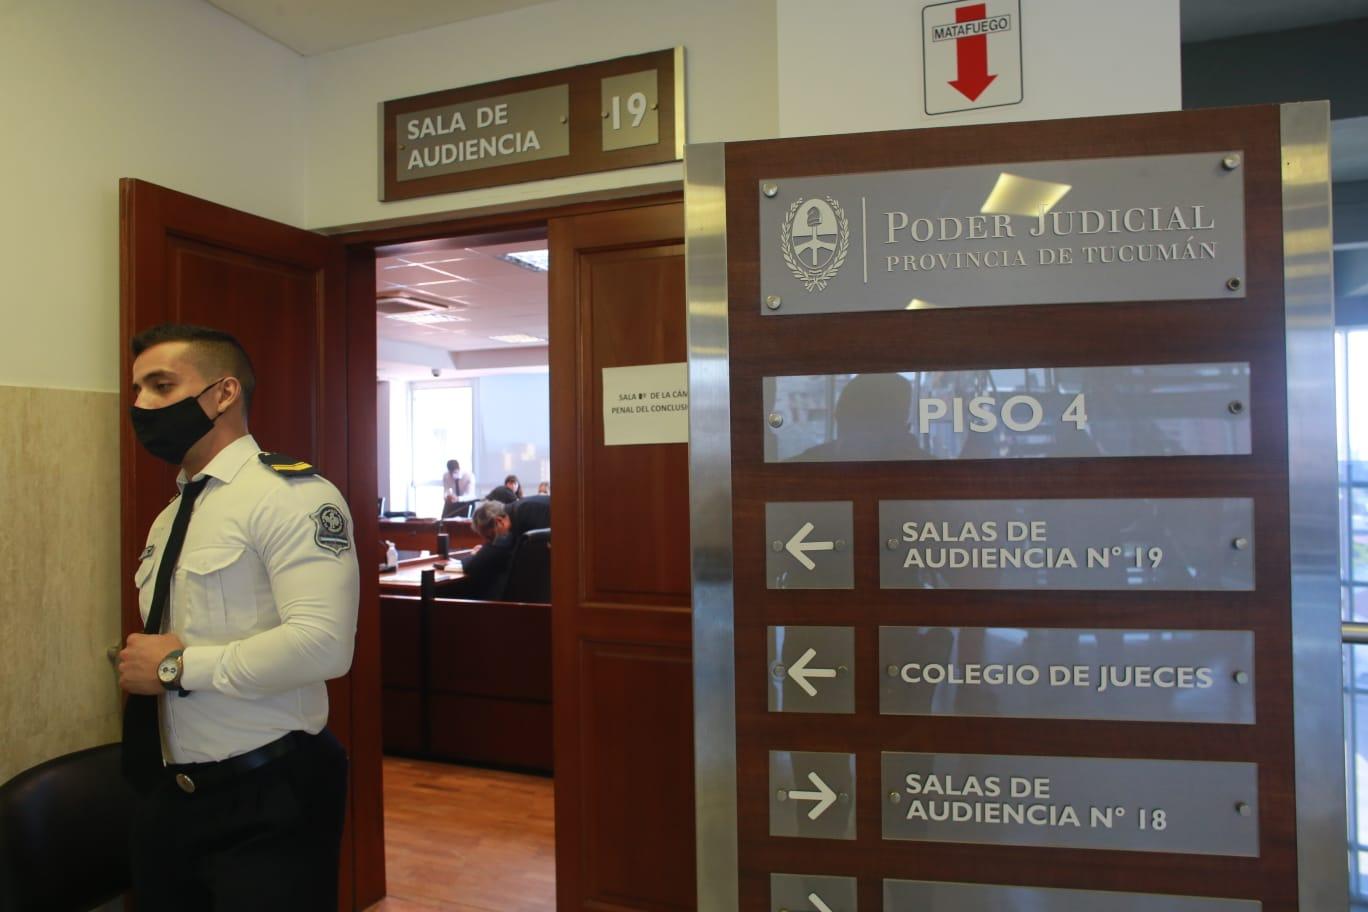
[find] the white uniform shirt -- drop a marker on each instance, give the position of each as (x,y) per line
(264,597)
(458,485)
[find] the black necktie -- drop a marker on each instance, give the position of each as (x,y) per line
(142,756)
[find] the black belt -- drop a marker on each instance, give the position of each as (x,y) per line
(190,777)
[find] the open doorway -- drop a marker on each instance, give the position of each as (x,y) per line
(463,389)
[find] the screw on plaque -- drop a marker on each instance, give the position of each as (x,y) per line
(778,670)
(1236,407)
(1241,677)
(776,420)
(892,544)
(1231,161)
(895,797)
(773,302)
(1234,283)
(840,544)
(776,546)
(770,190)
(1243,809)
(892,671)
(1239,544)
(781,795)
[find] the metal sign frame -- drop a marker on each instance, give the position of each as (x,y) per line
(1313,540)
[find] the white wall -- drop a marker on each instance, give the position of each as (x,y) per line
(857,66)
(731,88)
(172,91)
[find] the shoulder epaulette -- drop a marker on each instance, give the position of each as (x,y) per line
(287,465)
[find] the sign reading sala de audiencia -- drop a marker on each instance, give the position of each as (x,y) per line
(1052,232)
(619,113)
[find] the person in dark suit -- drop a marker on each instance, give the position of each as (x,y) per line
(501,525)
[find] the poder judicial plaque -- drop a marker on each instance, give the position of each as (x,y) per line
(1157,543)
(1053,673)
(1183,806)
(1055,232)
(1010,413)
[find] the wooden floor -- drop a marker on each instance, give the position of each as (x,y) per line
(459,839)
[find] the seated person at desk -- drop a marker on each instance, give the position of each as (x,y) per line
(500,525)
(508,492)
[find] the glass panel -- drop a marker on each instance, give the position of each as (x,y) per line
(1083,230)
(443,428)
(1134,410)
(1358,534)
(1356,394)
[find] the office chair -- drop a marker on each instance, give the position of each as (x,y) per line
(529,570)
(64,833)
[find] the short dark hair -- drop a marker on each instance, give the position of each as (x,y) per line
(213,349)
(512,478)
(453,465)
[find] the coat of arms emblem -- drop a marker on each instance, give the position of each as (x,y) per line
(816,239)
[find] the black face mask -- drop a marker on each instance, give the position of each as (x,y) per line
(169,432)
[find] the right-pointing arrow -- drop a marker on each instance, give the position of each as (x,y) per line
(799,548)
(824,796)
(817,902)
(800,672)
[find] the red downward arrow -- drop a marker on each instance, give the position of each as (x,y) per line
(972,54)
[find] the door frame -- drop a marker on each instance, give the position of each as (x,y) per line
(360,246)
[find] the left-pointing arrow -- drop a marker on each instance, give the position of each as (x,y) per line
(798,547)
(824,796)
(800,672)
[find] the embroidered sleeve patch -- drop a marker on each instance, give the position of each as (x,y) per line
(330,528)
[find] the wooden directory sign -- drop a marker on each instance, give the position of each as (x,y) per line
(867,319)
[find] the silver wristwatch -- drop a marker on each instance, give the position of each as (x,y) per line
(170,669)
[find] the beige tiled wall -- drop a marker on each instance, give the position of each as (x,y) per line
(59,556)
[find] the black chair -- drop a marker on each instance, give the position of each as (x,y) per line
(529,570)
(64,833)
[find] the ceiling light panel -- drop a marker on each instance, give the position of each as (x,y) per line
(427,318)
(519,339)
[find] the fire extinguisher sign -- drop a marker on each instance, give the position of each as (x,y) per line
(971,55)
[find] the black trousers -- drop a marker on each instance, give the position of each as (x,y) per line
(268,840)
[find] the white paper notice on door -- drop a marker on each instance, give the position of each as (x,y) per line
(647,403)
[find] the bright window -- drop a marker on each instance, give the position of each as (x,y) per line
(1351,406)
(443,428)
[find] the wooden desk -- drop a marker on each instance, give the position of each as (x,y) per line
(408,579)
(421,534)
(466,681)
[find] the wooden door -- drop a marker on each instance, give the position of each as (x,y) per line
(282,292)
(620,567)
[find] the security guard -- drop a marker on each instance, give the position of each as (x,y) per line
(248,588)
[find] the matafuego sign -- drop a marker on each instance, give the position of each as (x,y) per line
(1167,227)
